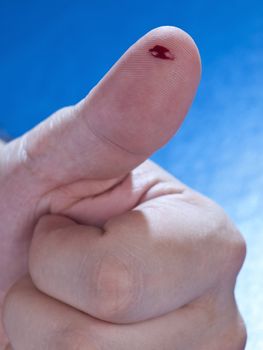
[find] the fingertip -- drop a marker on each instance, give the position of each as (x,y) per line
(177,41)
(148,93)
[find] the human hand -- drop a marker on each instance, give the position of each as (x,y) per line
(153,247)
(162,275)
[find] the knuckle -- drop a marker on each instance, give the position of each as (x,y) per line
(241,337)
(219,313)
(228,330)
(238,251)
(230,244)
(234,334)
(116,287)
(235,337)
(235,249)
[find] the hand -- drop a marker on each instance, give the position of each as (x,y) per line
(170,263)
(121,245)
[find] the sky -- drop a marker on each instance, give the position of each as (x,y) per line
(45,63)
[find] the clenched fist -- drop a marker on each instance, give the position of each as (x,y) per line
(102,249)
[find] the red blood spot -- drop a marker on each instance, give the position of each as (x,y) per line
(161,52)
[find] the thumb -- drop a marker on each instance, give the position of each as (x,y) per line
(132,111)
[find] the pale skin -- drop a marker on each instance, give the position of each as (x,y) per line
(102,249)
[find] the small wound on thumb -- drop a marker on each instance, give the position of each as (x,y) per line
(162,52)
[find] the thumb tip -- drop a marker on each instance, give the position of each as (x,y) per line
(144,98)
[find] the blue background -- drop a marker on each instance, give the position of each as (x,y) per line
(45,63)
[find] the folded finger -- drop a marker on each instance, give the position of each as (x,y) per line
(36,321)
(142,264)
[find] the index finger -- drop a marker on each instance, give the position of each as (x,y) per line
(171,249)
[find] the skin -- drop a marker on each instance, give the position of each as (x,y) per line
(101,248)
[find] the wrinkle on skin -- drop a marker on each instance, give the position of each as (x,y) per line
(97,201)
